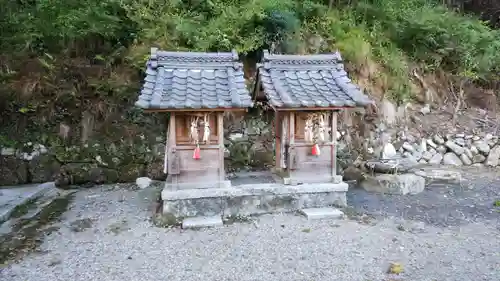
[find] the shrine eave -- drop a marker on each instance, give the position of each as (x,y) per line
(193,81)
(302,82)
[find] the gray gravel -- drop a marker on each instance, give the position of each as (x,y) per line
(440,204)
(117,242)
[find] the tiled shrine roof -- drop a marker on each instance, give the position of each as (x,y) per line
(190,80)
(299,81)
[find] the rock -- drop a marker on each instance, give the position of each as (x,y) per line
(427,156)
(388,151)
(423,145)
(465,159)
(7,151)
(441,149)
(468,143)
(474,150)
(422,161)
(468,137)
(431,143)
(408,155)
(488,137)
(154,170)
(408,147)
(432,151)
(478,158)
(468,153)
(143,182)
(438,139)
(416,147)
(43,168)
(426,109)
(458,150)
(394,184)
(417,155)
(388,111)
(439,175)
(460,136)
(493,157)
(13,171)
(85,173)
(460,142)
(451,158)
(476,138)
(482,147)
(391,166)
(436,159)
(352,173)
(492,143)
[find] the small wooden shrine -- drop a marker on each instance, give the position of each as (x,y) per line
(306,93)
(195,89)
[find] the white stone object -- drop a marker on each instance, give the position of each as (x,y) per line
(426,109)
(143,182)
(441,149)
(423,145)
(465,159)
(431,143)
(394,184)
(436,159)
(452,159)
(493,157)
(482,147)
(438,139)
(458,150)
(408,147)
(389,151)
(197,222)
(321,213)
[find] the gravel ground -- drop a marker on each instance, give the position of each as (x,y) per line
(106,236)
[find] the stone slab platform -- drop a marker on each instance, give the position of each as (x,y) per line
(252,199)
(10,198)
(322,213)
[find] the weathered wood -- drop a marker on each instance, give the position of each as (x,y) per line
(220,134)
(333,130)
(292,158)
(301,166)
(284,140)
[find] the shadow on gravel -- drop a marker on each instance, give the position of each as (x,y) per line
(439,204)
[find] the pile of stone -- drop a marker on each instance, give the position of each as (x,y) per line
(456,150)
(392,176)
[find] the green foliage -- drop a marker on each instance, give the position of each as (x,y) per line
(61,59)
(435,36)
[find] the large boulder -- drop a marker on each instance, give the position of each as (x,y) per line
(13,171)
(393,184)
(43,168)
(401,165)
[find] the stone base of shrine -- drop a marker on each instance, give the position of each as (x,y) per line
(251,199)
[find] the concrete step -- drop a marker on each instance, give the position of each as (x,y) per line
(198,222)
(322,213)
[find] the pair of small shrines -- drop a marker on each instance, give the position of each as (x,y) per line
(306,93)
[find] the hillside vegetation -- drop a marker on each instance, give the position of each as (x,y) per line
(71,69)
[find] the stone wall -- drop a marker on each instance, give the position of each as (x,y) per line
(453,149)
(83,164)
